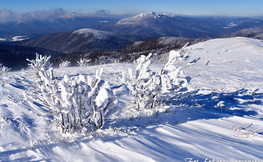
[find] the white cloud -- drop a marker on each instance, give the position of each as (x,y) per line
(7,15)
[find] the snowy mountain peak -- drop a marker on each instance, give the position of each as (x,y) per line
(138,19)
(154,15)
(148,14)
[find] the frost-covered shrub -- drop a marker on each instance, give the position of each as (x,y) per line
(4,77)
(64,64)
(4,70)
(151,88)
(83,62)
(78,102)
(41,66)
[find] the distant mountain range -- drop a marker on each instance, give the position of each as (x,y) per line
(38,23)
(148,24)
(159,25)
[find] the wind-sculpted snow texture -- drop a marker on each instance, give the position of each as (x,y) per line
(219,117)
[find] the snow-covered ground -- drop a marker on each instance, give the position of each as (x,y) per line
(221,121)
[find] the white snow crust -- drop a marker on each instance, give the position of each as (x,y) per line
(96,33)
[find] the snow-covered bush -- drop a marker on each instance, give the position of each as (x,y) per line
(64,64)
(76,103)
(4,77)
(41,66)
(83,62)
(151,88)
(4,70)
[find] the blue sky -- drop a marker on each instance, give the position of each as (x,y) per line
(184,7)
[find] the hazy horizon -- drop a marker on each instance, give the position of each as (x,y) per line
(236,8)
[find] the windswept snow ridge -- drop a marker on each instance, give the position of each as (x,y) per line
(97,33)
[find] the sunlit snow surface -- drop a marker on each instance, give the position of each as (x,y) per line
(223,120)
(97,33)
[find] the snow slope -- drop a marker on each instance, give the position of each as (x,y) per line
(222,121)
(233,62)
(98,34)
